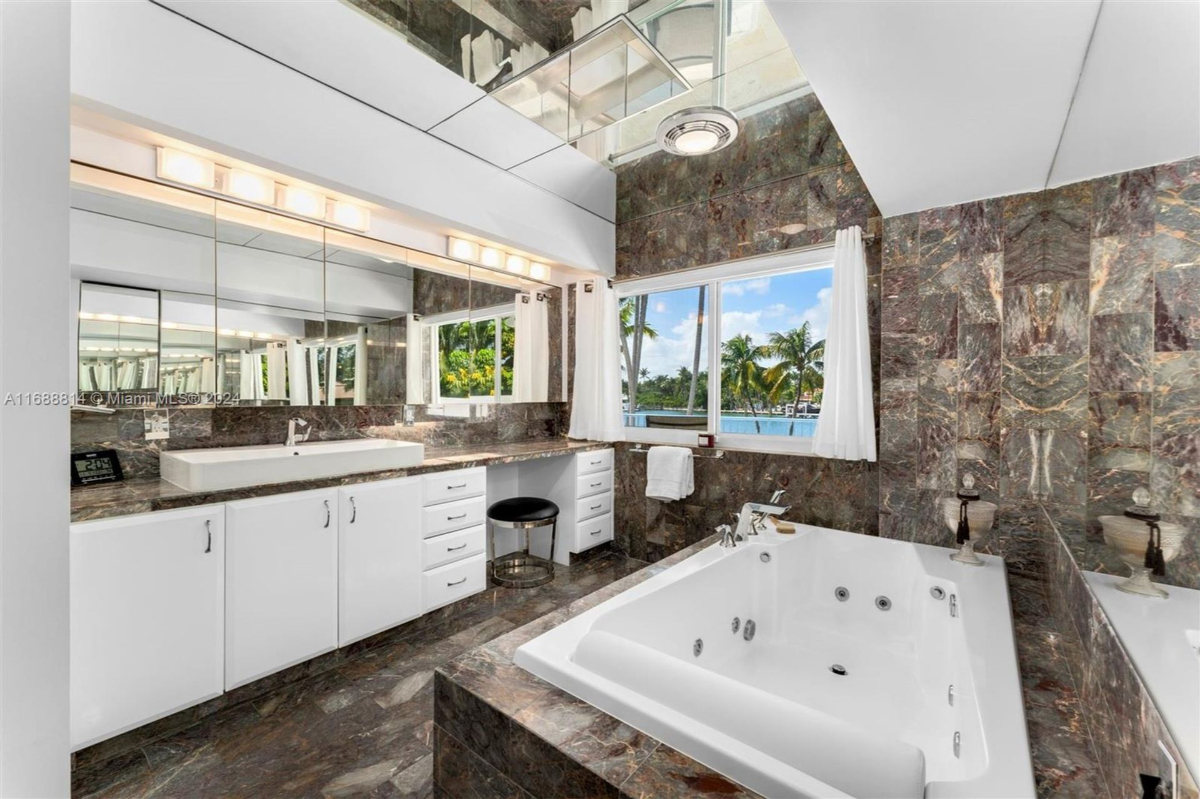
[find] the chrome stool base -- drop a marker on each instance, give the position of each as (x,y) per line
(519,570)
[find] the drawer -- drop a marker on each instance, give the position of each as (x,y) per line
(454,581)
(593,531)
(590,484)
(449,547)
(460,484)
(591,507)
(592,462)
(456,515)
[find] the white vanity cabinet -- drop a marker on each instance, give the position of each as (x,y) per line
(281,575)
(147,618)
(583,491)
(379,556)
(454,561)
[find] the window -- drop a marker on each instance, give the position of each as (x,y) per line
(474,358)
(741,356)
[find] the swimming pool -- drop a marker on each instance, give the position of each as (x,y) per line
(741,423)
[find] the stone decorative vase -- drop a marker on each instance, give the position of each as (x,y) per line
(980,516)
(1129,538)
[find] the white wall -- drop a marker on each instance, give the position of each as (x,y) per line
(34,441)
(150,67)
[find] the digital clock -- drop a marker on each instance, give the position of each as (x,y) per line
(100,466)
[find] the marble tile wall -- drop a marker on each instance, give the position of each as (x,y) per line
(1121,718)
(785,182)
(198,428)
(1049,344)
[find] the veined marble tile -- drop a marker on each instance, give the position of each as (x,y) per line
(982,227)
(979,417)
(824,145)
(822,198)
(937,424)
(1123,203)
(1122,274)
(1045,392)
(1122,349)
(854,203)
(1020,455)
(901,245)
(979,357)
(1177,216)
(1118,420)
(981,287)
(901,300)
(1045,319)
(1023,245)
(937,326)
(1177,309)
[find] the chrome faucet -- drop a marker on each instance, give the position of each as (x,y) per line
(753,516)
(292,438)
(729,539)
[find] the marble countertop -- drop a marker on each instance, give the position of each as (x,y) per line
(146,495)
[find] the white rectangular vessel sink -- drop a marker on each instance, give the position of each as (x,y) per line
(240,467)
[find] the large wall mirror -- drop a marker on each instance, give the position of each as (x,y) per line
(185,299)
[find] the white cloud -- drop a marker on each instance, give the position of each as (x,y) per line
(660,307)
(756,285)
(817,315)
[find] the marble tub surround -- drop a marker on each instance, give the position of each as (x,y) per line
(1046,344)
(143,495)
(236,426)
(1120,716)
(355,722)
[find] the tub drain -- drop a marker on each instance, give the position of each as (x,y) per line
(838,669)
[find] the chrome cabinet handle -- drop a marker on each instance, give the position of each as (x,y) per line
(353,510)
(457,582)
(594,485)
(456,518)
(594,532)
(455,549)
(328,514)
(208,528)
(455,488)
(594,507)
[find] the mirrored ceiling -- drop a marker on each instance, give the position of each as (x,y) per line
(601,74)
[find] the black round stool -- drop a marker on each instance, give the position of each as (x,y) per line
(520,569)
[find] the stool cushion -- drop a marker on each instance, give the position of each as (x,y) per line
(523,509)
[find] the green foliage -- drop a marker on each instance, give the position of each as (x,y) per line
(467,359)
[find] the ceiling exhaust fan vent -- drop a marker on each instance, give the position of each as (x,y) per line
(697,131)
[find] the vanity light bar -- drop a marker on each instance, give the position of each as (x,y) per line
(466,250)
(178,166)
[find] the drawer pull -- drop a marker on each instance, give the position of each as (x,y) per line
(208,527)
(456,487)
(594,532)
(328,515)
(455,549)
(595,507)
(456,582)
(456,518)
(595,463)
(595,485)
(353,510)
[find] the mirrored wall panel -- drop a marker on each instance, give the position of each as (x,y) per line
(184,299)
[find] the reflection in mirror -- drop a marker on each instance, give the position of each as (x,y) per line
(442,302)
(149,244)
(511,336)
(118,338)
(369,316)
(270,308)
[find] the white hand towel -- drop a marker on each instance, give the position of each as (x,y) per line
(669,473)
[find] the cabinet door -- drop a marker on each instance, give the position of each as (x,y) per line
(147,618)
(379,558)
(280,582)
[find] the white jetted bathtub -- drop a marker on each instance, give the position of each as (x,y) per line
(875,668)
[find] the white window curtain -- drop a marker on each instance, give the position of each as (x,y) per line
(846,427)
(414,352)
(277,370)
(250,376)
(360,366)
(297,373)
(531,358)
(596,402)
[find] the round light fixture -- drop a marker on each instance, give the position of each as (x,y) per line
(697,131)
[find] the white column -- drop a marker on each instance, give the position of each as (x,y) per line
(34,357)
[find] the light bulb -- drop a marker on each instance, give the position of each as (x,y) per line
(186,168)
(301,201)
(249,186)
(697,141)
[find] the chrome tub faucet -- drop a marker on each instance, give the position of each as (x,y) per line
(292,438)
(753,516)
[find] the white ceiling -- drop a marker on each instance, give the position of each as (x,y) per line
(948,102)
(348,51)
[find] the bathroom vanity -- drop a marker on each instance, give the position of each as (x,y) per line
(178,597)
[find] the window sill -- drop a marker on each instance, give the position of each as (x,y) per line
(769,445)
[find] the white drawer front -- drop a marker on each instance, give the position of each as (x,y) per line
(593,531)
(454,516)
(592,462)
(460,484)
(449,547)
(454,581)
(591,484)
(591,507)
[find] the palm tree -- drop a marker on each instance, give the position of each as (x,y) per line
(741,372)
(799,362)
(633,323)
(696,352)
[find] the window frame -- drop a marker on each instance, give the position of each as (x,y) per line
(496,312)
(788,262)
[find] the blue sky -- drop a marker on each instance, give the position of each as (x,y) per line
(758,306)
